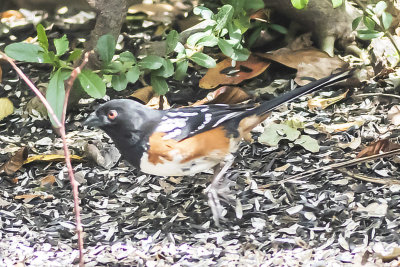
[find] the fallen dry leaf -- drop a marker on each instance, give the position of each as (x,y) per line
(49,180)
(224,95)
(11,14)
(29,197)
(143,94)
(158,102)
(50,157)
(341,127)
(6,107)
(157,12)
(310,62)
(377,147)
(323,103)
(15,162)
(1,74)
(224,73)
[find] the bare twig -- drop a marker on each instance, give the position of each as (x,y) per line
(379,94)
(61,131)
(375,180)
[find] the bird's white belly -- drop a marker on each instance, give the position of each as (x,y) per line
(177,167)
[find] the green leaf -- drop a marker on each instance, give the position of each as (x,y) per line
(75,54)
(204,12)
(242,22)
(299,4)
(61,45)
(254,5)
(180,48)
(308,143)
(380,7)
(42,37)
(127,57)
(106,48)
(278,28)
(133,74)
(240,54)
(25,52)
(159,84)
(337,3)
(119,82)
(181,70)
(167,69)
(235,34)
(203,60)
(92,84)
(369,23)
(114,67)
(225,47)
(151,62)
(386,20)
(55,93)
(276,132)
(223,16)
(356,22)
(209,41)
(194,38)
(369,34)
(172,40)
(50,57)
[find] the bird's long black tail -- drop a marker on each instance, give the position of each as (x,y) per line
(303,90)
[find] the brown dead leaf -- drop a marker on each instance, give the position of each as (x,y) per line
(50,157)
(224,73)
(143,94)
(377,147)
(16,162)
(158,102)
(310,62)
(29,197)
(11,14)
(341,127)
(156,12)
(1,74)
(323,103)
(49,180)
(394,115)
(224,95)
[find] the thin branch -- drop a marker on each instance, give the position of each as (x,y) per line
(378,94)
(61,131)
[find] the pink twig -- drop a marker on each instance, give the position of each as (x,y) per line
(61,130)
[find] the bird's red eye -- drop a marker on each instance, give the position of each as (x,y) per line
(112,114)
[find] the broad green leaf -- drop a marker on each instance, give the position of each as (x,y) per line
(299,4)
(356,22)
(276,132)
(203,60)
(167,69)
(242,22)
(127,57)
(308,143)
(42,37)
(204,12)
(55,93)
(194,38)
(223,16)
(208,41)
(369,34)
(278,28)
(235,34)
(119,82)
(180,48)
(50,57)
(181,70)
(75,54)
(133,74)
(61,45)
(92,84)
(106,48)
(159,84)
(25,52)
(240,54)
(337,3)
(386,20)
(369,23)
(225,47)
(254,5)
(172,40)
(113,67)
(380,7)
(151,62)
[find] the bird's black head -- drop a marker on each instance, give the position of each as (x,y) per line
(122,116)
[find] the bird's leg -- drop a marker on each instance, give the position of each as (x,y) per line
(218,187)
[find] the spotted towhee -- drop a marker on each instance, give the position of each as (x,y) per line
(188,140)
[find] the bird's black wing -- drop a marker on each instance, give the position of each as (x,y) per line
(185,122)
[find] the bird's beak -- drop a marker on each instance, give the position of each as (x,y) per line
(93,121)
